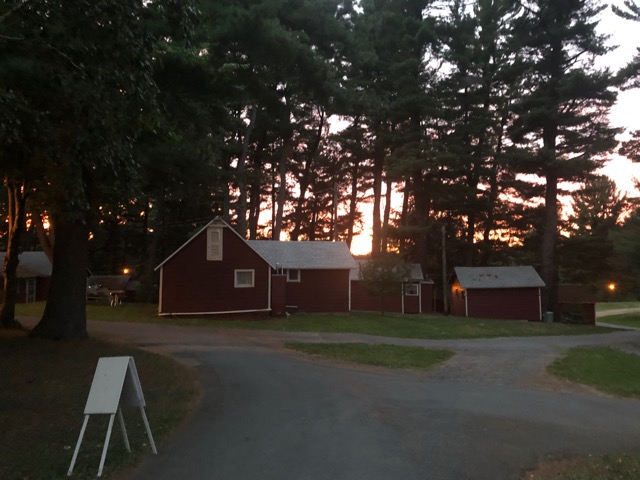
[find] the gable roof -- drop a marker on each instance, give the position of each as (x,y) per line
(305,255)
(216,221)
(498,277)
(290,255)
(31,264)
(415,271)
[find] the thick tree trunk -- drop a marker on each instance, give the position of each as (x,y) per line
(17,199)
(65,314)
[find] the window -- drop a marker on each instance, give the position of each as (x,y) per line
(214,243)
(293,275)
(244,278)
(411,289)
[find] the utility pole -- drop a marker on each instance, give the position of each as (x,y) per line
(445,293)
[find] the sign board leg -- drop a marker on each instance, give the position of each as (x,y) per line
(75,453)
(124,430)
(106,444)
(146,425)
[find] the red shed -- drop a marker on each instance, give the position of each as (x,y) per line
(219,272)
(510,293)
(34,276)
(415,295)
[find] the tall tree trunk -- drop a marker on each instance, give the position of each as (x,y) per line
(148,290)
(65,315)
(405,213)
(549,234)
(305,179)
(384,240)
(17,197)
(376,227)
(422,198)
(287,150)
(353,205)
(241,210)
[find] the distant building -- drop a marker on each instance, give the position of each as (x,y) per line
(510,293)
(218,272)
(34,277)
(415,294)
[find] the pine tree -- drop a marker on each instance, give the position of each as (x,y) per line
(562,115)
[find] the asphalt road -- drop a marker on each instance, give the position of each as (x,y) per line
(491,412)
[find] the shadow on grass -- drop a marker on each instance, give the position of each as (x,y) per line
(43,390)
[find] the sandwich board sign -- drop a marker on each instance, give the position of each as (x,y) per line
(115,383)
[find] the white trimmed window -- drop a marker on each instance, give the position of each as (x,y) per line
(244,278)
(411,289)
(214,243)
(293,275)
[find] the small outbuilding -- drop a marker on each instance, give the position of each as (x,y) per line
(218,272)
(509,293)
(415,294)
(576,304)
(34,277)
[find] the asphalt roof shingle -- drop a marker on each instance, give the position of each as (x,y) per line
(498,277)
(31,264)
(305,255)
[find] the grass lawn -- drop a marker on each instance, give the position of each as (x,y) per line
(610,371)
(372,323)
(390,356)
(43,391)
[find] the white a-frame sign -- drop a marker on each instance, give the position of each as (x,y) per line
(115,383)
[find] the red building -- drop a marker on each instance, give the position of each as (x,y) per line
(415,295)
(218,272)
(34,277)
(510,293)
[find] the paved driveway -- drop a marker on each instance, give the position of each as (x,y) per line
(491,412)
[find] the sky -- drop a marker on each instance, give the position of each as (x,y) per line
(624,33)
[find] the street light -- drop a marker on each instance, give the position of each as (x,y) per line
(612,287)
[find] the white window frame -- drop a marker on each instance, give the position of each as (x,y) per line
(236,282)
(214,243)
(412,286)
(295,279)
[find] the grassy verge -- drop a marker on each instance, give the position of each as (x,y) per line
(610,371)
(388,325)
(605,306)
(625,320)
(604,368)
(598,467)
(43,390)
(390,356)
